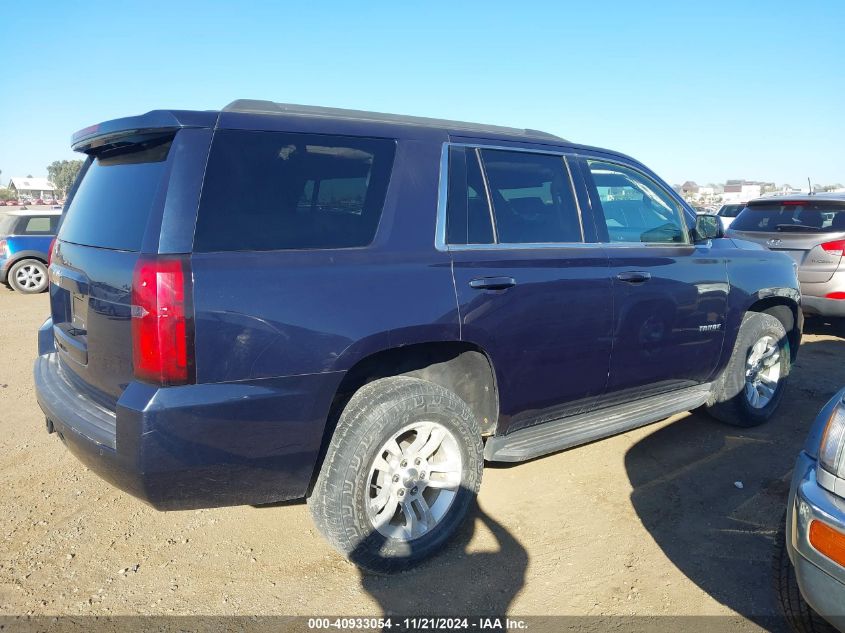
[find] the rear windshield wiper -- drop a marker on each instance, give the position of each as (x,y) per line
(799,227)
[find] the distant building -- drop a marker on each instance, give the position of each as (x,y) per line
(693,191)
(737,191)
(32,188)
(689,188)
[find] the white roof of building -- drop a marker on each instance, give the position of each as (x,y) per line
(37,184)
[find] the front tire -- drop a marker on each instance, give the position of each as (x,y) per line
(28,276)
(799,614)
(750,389)
(400,473)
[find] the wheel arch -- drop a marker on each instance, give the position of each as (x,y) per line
(21,255)
(461,367)
(788,312)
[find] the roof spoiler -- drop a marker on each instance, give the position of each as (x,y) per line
(155,121)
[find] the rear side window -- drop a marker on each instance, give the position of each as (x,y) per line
(792,217)
(468,213)
(532,197)
(274,190)
(41,225)
(112,204)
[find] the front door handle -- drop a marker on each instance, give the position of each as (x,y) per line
(633,277)
(492,283)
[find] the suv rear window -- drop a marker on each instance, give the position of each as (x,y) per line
(277,190)
(111,207)
(808,217)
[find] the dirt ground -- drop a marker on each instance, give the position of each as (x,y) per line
(650,522)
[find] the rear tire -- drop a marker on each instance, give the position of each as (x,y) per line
(402,446)
(751,387)
(28,276)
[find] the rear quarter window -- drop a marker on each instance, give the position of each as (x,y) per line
(276,191)
(39,225)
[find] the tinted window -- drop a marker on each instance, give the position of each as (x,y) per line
(113,202)
(468,214)
(272,190)
(635,208)
(39,225)
(731,210)
(809,217)
(532,197)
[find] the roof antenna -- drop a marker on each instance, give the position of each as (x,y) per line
(809,186)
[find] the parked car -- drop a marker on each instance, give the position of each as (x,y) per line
(727,213)
(361,308)
(811,230)
(811,578)
(25,239)
(39,201)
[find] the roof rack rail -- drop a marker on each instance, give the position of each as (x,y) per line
(257,106)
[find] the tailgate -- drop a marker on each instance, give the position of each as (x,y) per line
(115,203)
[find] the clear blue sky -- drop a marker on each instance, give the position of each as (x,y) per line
(697,90)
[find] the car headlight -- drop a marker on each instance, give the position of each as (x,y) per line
(832,449)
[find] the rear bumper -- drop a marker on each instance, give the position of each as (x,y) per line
(822,581)
(195,446)
(813,295)
(822,307)
(4,270)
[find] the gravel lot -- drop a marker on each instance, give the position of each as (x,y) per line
(646,523)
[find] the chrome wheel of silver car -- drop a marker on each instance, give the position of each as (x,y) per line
(29,276)
(762,372)
(413,481)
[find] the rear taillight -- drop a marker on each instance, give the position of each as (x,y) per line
(162,321)
(835,295)
(836,248)
(50,252)
(4,248)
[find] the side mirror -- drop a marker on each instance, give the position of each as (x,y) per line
(707,227)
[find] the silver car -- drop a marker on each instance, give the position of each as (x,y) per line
(811,229)
(727,213)
(811,581)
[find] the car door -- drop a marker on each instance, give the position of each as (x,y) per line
(670,294)
(531,293)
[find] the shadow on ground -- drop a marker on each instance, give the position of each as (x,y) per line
(713,496)
(457,582)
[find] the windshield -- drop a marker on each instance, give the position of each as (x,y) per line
(810,217)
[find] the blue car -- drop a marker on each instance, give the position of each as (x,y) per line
(25,240)
(815,526)
(360,309)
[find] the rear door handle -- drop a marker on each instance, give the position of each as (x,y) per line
(492,283)
(633,277)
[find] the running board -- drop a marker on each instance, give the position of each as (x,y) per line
(556,435)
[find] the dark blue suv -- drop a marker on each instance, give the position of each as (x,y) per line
(274,302)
